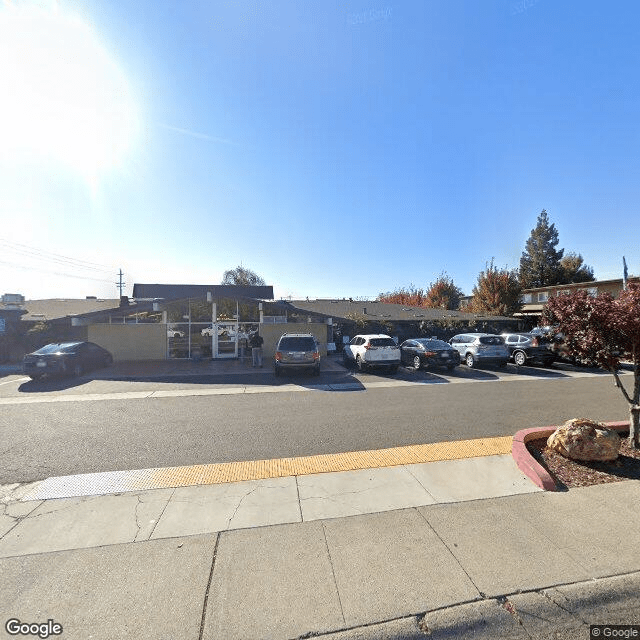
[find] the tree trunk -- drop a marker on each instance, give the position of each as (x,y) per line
(634,426)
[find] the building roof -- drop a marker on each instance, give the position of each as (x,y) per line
(183,291)
(56,308)
(374,310)
(582,285)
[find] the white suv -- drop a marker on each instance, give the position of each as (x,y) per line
(372,350)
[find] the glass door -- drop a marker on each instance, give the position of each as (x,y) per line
(226,339)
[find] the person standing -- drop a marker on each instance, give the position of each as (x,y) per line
(256,343)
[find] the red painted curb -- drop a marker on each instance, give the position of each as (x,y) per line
(530,466)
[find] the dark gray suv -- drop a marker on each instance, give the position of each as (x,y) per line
(297,351)
(527,347)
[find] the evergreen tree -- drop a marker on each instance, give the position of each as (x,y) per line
(574,269)
(540,262)
(497,292)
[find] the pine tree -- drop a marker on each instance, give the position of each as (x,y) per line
(574,269)
(540,262)
(497,292)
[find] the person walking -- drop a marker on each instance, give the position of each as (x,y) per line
(256,343)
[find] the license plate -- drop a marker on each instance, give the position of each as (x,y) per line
(41,364)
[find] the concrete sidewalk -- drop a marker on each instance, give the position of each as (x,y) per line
(377,553)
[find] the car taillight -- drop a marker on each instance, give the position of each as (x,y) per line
(316,355)
(535,342)
(430,354)
(367,347)
(278,356)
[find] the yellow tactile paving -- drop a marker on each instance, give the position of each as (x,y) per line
(171,477)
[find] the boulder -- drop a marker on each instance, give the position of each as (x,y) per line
(583,439)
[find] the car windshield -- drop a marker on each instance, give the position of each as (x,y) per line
(297,344)
(491,340)
(57,348)
(382,342)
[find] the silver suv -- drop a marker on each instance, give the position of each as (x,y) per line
(481,348)
(297,351)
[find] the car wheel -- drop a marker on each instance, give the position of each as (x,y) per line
(316,371)
(416,362)
(36,378)
(470,361)
(78,370)
(359,363)
(451,367)
(548,362)
(393,369)
(520,358)
(276,371)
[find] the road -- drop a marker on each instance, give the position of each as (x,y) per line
(102,425)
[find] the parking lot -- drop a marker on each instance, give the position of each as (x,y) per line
(131,379)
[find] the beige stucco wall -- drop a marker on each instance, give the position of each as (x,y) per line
(131,341)
(272,332)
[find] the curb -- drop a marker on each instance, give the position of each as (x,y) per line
(530,466)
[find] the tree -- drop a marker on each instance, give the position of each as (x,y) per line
(243,277)
(497,292)
(410,297)
(574,269)
(540,261)
(604,330)
(443,293)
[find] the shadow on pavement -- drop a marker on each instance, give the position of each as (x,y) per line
(52,384)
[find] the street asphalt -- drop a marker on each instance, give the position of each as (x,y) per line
(444,549)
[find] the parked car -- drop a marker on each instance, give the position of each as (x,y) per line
(481,348)
(297,351)
(429,352)
(528,347)
(173,332)
(372,350)
(222,332)
(65,358)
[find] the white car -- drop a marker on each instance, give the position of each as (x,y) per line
(372,350)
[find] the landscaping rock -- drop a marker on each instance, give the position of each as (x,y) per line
(583,439)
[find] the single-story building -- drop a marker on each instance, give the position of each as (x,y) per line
(163,321)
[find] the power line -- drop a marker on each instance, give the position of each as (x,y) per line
(58,273)
(54,257)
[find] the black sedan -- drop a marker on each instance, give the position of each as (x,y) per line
(65,358)
(428,352)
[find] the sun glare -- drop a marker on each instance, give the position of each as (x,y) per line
(64,97)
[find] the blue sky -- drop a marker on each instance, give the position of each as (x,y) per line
(336,148)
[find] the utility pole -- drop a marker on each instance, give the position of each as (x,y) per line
(120,284)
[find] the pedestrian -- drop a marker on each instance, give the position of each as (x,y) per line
(255,343)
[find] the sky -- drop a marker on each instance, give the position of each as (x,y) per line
(337,149)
